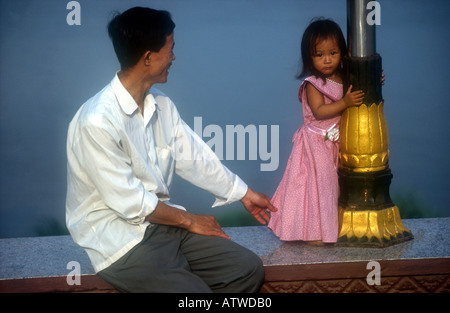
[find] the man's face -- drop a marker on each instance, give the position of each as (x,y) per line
(162,60)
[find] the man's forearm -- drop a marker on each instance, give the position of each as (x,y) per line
(198,224)
(168,215)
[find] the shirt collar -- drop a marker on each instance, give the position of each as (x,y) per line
(126,101)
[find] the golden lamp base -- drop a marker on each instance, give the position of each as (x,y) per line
(367,215)
(371,228)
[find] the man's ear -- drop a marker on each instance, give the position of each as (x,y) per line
(147,58)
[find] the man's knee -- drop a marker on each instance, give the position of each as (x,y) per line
(251,272)
(257,272)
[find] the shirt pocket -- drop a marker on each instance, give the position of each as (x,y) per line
(165,162)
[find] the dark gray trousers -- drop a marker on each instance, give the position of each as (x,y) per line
(171,259)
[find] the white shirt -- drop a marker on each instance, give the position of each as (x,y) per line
(120,163)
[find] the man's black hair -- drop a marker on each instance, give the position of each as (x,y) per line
(138,30)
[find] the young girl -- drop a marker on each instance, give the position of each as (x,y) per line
(307,196)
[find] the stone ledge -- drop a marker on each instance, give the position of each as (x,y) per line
(39,264)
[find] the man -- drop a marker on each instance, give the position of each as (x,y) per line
(123,146)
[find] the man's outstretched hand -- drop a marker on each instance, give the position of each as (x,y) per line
(258,205)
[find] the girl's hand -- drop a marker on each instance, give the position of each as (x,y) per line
(353,98)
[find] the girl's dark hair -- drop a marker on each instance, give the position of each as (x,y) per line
(319,28)
(138,30)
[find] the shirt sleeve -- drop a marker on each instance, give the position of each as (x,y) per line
(198,164)
(109,169)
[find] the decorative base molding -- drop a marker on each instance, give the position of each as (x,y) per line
(405,284)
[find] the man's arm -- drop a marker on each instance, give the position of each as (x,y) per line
(256,203)
(199,165)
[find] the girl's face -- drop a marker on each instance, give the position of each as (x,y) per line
(327,56)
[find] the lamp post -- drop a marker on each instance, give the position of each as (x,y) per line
(367,215)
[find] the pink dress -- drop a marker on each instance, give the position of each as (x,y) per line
(307,196)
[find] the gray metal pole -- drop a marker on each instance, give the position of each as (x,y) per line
(360,35)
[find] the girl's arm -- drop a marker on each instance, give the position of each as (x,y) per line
(323,111)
